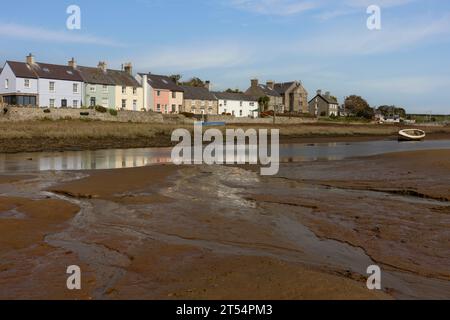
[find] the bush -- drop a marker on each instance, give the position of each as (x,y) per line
(113,112)
(187,114)
(101,109)
(47,111)
(84,113)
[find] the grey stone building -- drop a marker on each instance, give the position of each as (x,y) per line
(295,96)
(258,90)
(323,105)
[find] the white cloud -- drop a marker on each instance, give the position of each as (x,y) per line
(275,7)
(393,37)
(194,57)
(23,32)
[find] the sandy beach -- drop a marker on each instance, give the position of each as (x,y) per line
(225,232)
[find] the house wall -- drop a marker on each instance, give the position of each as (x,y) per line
(318,106)
(295,99)
(7,74)
(177,101)
(161,100)
(129,97)
(63,90)
(235,107)
(197,106)
(149,92)
(100,95)
(258,93)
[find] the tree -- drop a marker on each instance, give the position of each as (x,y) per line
(176,78)
(263,103)
(195,82)
(233,90)
(392,110)
(359,107)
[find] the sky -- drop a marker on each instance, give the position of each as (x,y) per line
(325,44)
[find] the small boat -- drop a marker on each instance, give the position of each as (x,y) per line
(411,135)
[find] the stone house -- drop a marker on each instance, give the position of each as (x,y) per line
(323,105)
(295,96)
(258,90)
(199,100)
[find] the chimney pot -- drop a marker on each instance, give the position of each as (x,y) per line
(271,84)
(102,65)
(128,68)
(73,63)
(254,83)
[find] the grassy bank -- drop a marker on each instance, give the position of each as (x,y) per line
(82,135)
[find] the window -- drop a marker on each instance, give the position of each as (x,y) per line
(93,102)
(105,89)
(75,104)
(135,105)
(240,103)
(26,83)
(51,86)
(203,103)
(158,93)
(75,88)
(124,90)
(158,107)
(240,113)
(225,102)
(92,89)
(174,95)
(6,83)
(124,103)
(252,104)
(193,103)
(165,109)
(51,103)
(174,108)
(135,91)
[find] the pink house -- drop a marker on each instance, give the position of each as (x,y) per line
(162,93)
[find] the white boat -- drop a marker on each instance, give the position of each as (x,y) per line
(411,135)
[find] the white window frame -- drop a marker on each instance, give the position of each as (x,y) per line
(75,87)
(124,90)
(51,103)
(50,89)
(92,88)
(26,83)
(75,103)
(6,83)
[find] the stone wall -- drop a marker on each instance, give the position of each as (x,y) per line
(30,114)
(15,114)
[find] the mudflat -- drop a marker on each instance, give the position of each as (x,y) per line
(224,232)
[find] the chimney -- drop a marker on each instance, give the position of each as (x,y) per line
(254,83)
(128,68)
(145,89)
(102,65)
(319,92)
(73,63)
(30,59)
(208,85)
(271,84)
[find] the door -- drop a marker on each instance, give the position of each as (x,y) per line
(92,103)
(63,103)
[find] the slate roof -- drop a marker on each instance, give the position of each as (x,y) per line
(268,91)
(197,93)
(162,82)
(122,78)
(95,76)
(329,99)
(281,88)
(234,96)
(22,70)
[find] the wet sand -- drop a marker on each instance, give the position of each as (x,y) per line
(199,232)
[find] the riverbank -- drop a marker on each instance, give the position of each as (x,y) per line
(220,232)
(75,135)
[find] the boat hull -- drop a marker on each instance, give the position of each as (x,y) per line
(411,135)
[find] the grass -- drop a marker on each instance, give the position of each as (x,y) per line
(61,135)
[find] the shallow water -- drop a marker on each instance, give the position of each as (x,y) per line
(129,158)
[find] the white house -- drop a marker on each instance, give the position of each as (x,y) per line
(41,84)
(237,104)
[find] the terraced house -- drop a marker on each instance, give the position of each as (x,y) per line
(237,104)
(295,96)
(199,100)
(161,93)
(33,83)
(128,91)
(258,90)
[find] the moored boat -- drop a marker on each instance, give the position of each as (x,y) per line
(411,135)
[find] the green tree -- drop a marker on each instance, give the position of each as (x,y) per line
(263,103)
(359,107)
(175,77)
(229,90)
(195,82)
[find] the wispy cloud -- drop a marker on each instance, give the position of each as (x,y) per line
(194,57)
(393,37)
(275,7)
(33,33)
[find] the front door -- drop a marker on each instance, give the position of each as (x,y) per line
(92,103)
(63,103)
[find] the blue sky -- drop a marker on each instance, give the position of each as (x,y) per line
(323,43)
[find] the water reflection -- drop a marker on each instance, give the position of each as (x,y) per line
(128,158)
